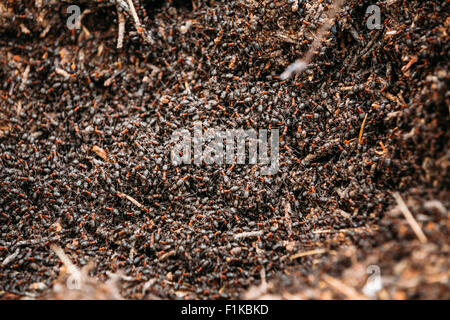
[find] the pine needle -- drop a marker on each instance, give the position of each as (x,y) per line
(362,129)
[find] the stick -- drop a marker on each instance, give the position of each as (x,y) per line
(409,217)
(166,255)
(346,230)
(62,72)
(121,28)
(11,257)
(307,253)
(71,268)
(248,234)
(132,200)
(301,64)
(137,23)
(362,129)
(25,76)
(340,286)
(134,14)
(287,215)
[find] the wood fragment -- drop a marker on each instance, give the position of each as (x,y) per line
(346,230)
(410,218)
(287,216)
(62,72)
(344,289)
(137,23)
(134,14)
(411,61)
(71,268)
(166,255)
(121,31)
(25,76)
(307,253)
(435,204)
(11,257)
(248,234)
(131,199)
(362,129)
(100,152)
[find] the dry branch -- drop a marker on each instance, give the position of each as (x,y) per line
(410,218)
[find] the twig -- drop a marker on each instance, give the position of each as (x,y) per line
(132,200)
(435,204)
(248,234)
(301,64)
(307,253)
(362,129)
(11,257)
(166,255)
(346,290)
(71,268)
(121,31)
(62,72)
(134,14)
(287,215)
(25,76)
(346,230)
(100,152)
(137,22)
(409,218)
(122,4)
